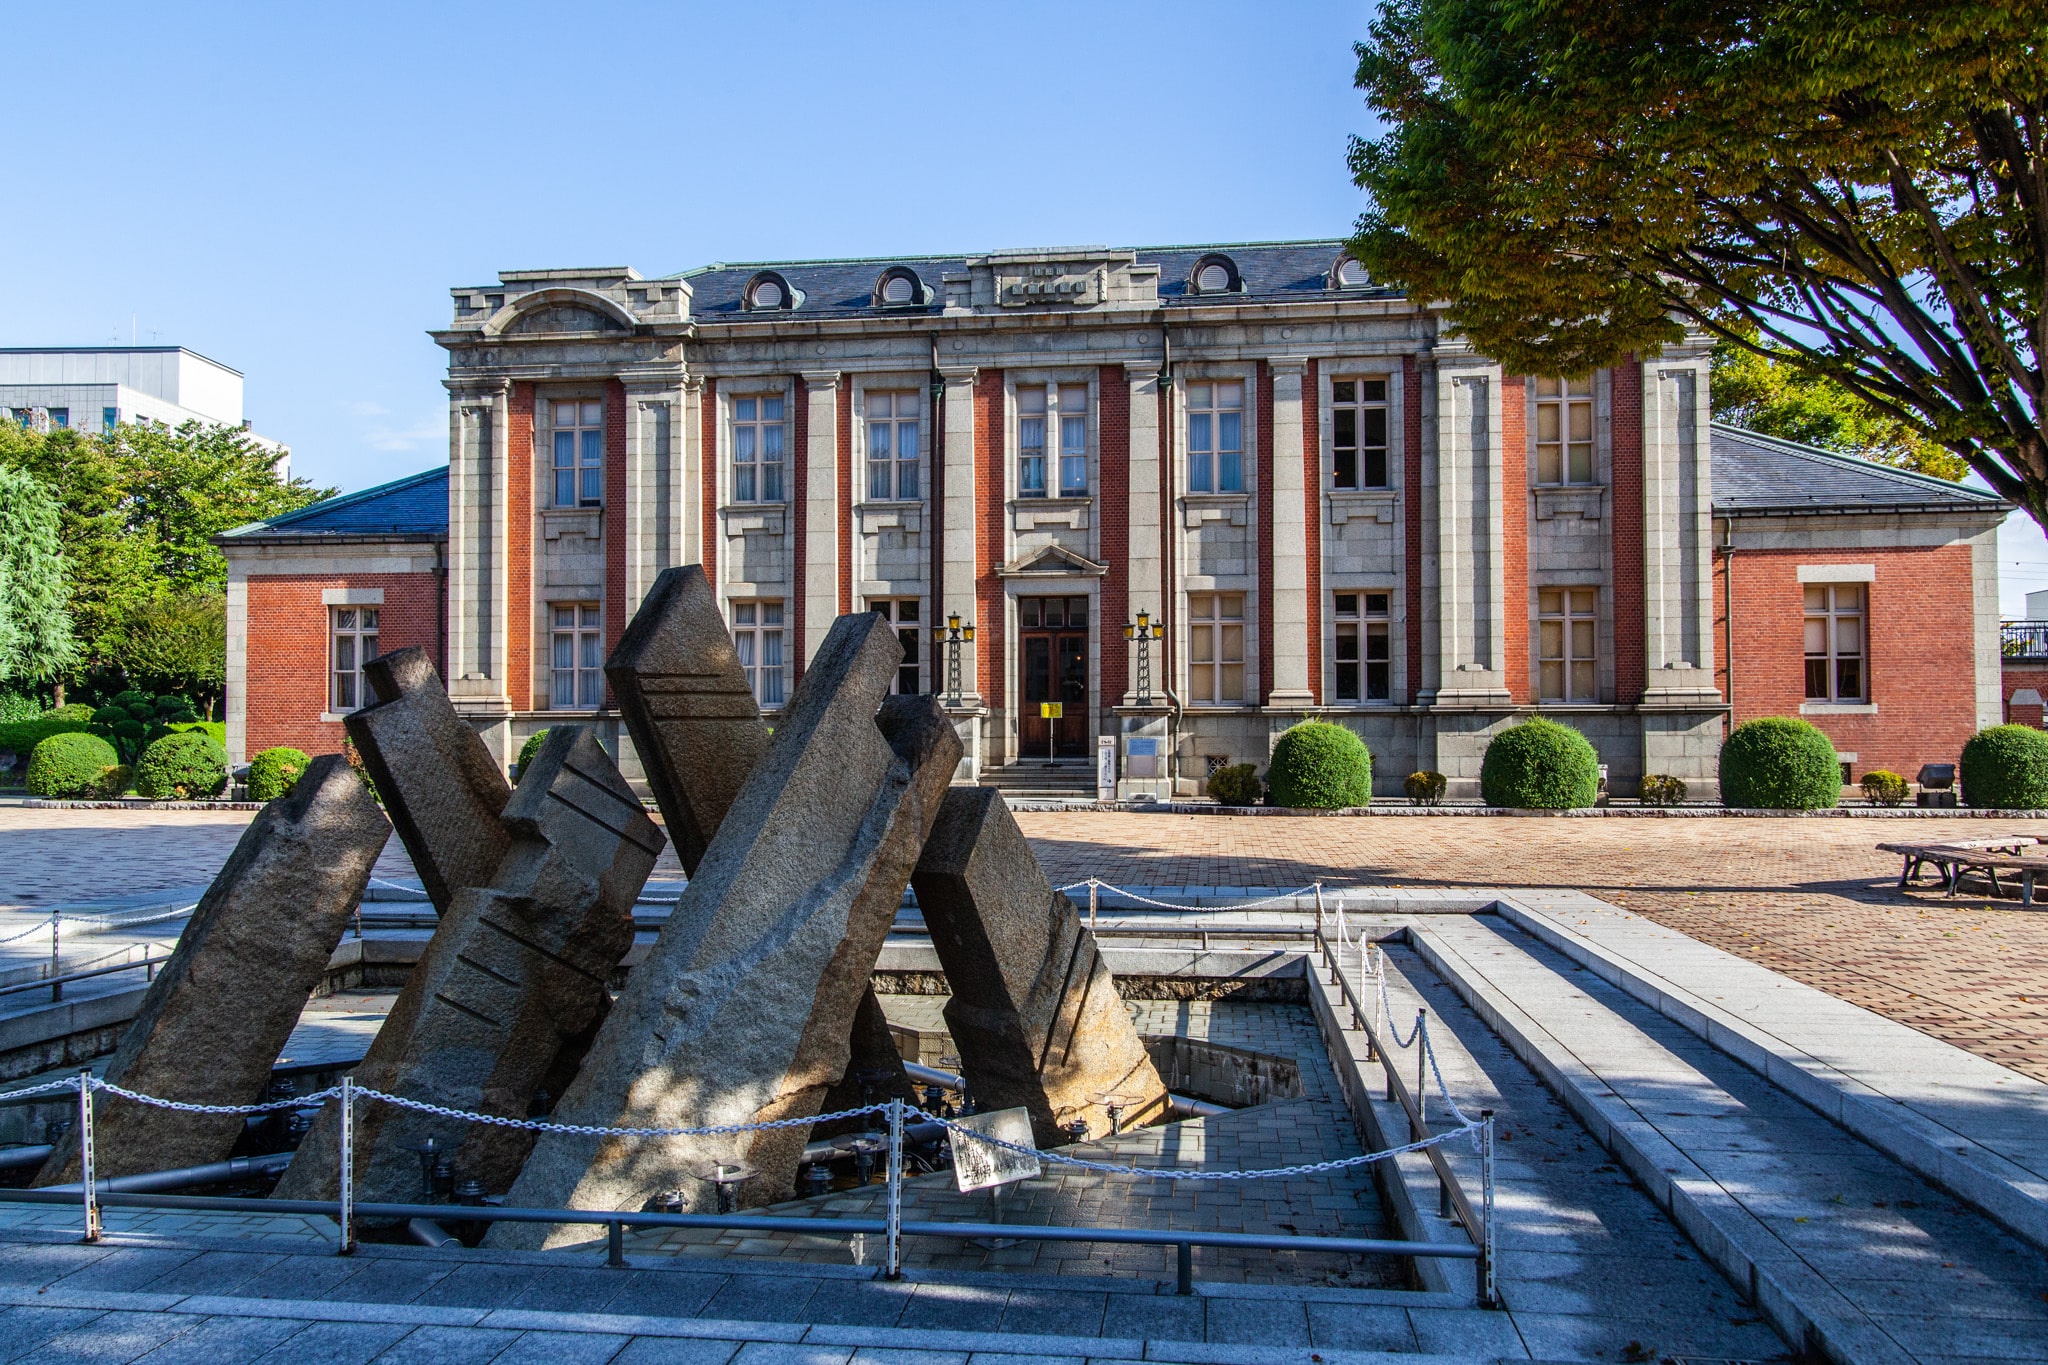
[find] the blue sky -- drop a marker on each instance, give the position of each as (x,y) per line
(292,190)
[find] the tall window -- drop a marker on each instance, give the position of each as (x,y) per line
(1567,635)
(757,636)
(1216,647)
(60,418)
(579,454)
(1834,642)
(757,448)
(1042,411)
(1364,656)
(1564,431)
(902,612)
(355,644)
(892,445)
(1216,438)
(1358,438)
(578,657)
(109,418)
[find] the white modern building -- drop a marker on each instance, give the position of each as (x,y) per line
(93,388)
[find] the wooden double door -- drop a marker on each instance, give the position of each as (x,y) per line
(1053,656)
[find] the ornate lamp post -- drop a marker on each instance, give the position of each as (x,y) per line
(1145,630)
(953,635)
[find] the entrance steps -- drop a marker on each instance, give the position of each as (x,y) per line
(1066,779)
(1636,1159)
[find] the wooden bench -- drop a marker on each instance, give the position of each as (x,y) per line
(1953,858)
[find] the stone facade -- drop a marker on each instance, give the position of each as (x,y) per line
(1333,508)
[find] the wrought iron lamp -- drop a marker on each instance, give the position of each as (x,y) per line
(1145,630)
(953,635)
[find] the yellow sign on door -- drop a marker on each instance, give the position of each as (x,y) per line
(1051,710)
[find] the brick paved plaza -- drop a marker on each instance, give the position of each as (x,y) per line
(1808,897)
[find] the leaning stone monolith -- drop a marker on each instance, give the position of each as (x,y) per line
(686,702)
(742,1011)
(441,785)
(222,1007)
(515,971)
(1034,1013)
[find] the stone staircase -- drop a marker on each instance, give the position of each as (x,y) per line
(1066,779)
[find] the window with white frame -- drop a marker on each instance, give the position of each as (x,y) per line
(579,453)
(1216,648)
(1052,412)
(1364,662)
(757,636)
(1567,641)
(1358,433)
(1835,615)
(1216,437)
(577,656)
(355,644)
(892,445)
(757,444)
(1564,430)
(902,612)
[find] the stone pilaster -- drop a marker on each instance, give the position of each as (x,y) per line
(1288,592)
(1678,584)
(1467,502)
(820,586)
(1145,571)
(479,493)
(686,491)
(955,592)
(653,473)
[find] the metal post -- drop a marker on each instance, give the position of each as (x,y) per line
(1421,1064)
(1187,1269)
(87,1179)
(1488,1294)
(1319,909)
(1094,901)
(615,1245)
(1364,957)
(56,965)
(348,1167)
(894,1269)
(1340,928)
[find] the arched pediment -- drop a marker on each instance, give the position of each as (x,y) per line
(551,311)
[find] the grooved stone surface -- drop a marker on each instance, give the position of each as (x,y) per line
(224,1004)
(515,973)
(742,1010)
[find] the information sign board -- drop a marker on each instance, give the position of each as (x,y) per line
(980,1165)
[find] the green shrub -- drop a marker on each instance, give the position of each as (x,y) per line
(1778,763)
(530,748)
(2006,768)
(22,736)
(1320,766)
(15,708)
(132,721)
(1885,788)
(1236,785)
(71,764)
(182,768)
(1539,765)
(1426,788)
(215,730)
(273,772)
(1661,789)
(118,780)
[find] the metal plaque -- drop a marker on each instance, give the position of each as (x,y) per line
(979,1165)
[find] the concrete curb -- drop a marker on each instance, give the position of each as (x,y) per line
(1583,813)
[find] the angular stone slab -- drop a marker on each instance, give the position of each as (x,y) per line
(1034,1013)
(516,970)
(685,700)
(874,1073)
(743,1010)
(221,1008)
(439,782)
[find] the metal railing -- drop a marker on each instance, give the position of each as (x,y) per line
(2024,640)
(147,965)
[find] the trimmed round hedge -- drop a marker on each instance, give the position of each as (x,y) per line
(1778,763)
(2006,768)
(1319,766)
(74,765)
(531,747)
(182,767)
(274,772)
(1540,765)
(1236,785)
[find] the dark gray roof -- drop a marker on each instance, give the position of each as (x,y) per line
(1268,270)
(412,508)
(1754,474)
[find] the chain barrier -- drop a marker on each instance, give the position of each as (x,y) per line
(1096,883)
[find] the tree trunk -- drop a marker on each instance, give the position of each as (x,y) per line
(57,692)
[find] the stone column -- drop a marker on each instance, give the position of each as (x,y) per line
(1146,573)
(686,493)
(1470,534)
(1678,583)
(1288,592)
(478,490)
(820,587)
(651,407)
(955,593)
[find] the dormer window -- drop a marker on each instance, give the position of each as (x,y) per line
(1348,274)
(1215,274)
(898,288)
(768,292)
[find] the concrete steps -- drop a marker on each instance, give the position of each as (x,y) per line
(1845,1250)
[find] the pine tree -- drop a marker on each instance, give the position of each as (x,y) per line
(36,646)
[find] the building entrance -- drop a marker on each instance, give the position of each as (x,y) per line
(1053,634)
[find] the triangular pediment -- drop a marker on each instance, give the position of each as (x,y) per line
(1054,561)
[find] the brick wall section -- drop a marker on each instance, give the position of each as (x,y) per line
(1515,499)
(1113,504)
(616,608)
(1262,461)
(1626,499)
(519,517)
(991,440)
(708,459)
(1920,652)
(289,644)
(794,489)
(2018,676)
(1312,516)
(1411,518)
(846,495)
